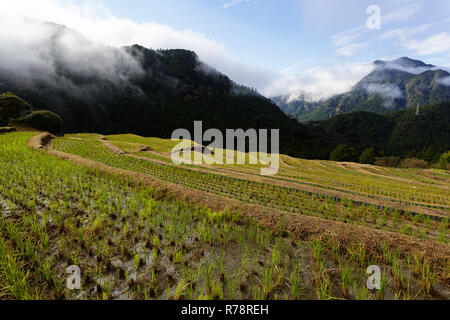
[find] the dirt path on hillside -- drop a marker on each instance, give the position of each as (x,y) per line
(305,227)
(41,140)
(108,144)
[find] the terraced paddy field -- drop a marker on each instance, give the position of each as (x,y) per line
(140,227)
(428,188)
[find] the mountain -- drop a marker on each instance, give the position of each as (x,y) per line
(96,88)
(392,85)
(401,133)
(294,107)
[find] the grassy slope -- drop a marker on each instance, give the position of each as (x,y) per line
(130,244)
(430,186)
(127,241)
(157,144)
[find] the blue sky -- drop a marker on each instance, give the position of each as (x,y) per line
(317,47)
(283,33)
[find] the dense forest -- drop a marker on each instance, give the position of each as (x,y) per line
(402,133)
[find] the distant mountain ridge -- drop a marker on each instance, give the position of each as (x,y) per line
(97,88)
(392,85)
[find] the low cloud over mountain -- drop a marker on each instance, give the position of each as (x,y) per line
(390,86)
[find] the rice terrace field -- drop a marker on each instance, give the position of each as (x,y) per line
(140,227)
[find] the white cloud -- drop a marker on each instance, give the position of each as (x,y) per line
(319,82)
(350,49)
(389,92)
(36,52)
(438,43)
(346,40)
(402,13)
(413,70)
(346,37)
(404,34)
(445,81)
(97,23)
(232,3)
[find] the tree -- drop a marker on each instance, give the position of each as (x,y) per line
(444,160)
(42,120)
(368,156)
(344,153)
(12,107)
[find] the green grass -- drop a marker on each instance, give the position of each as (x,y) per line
(266,194)
(56,214)
(88,136)
(426,188)
(157,144)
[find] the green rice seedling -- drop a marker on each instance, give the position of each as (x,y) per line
(276,257)
(374,213)
(137,261)
(217,290)
(205,231)
(154,254)
(324,288)
(397,272)
(417,267)
(361,254)
(379,223)
(407,292)
(317,249)
(395,219)
(268,280)
(388,255)
(428,278)
(258,293)
(153,277)
(14,275)
(385,217)
(406,229)
(383,285)
(423,233)
(207,272)
(346,278)
(361,293)
(88,211)
(295,280)
(180,290)
(178,257)
(189,292)
(244,263)
(155,241)
(232,288)
(443,227)
(335,250)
